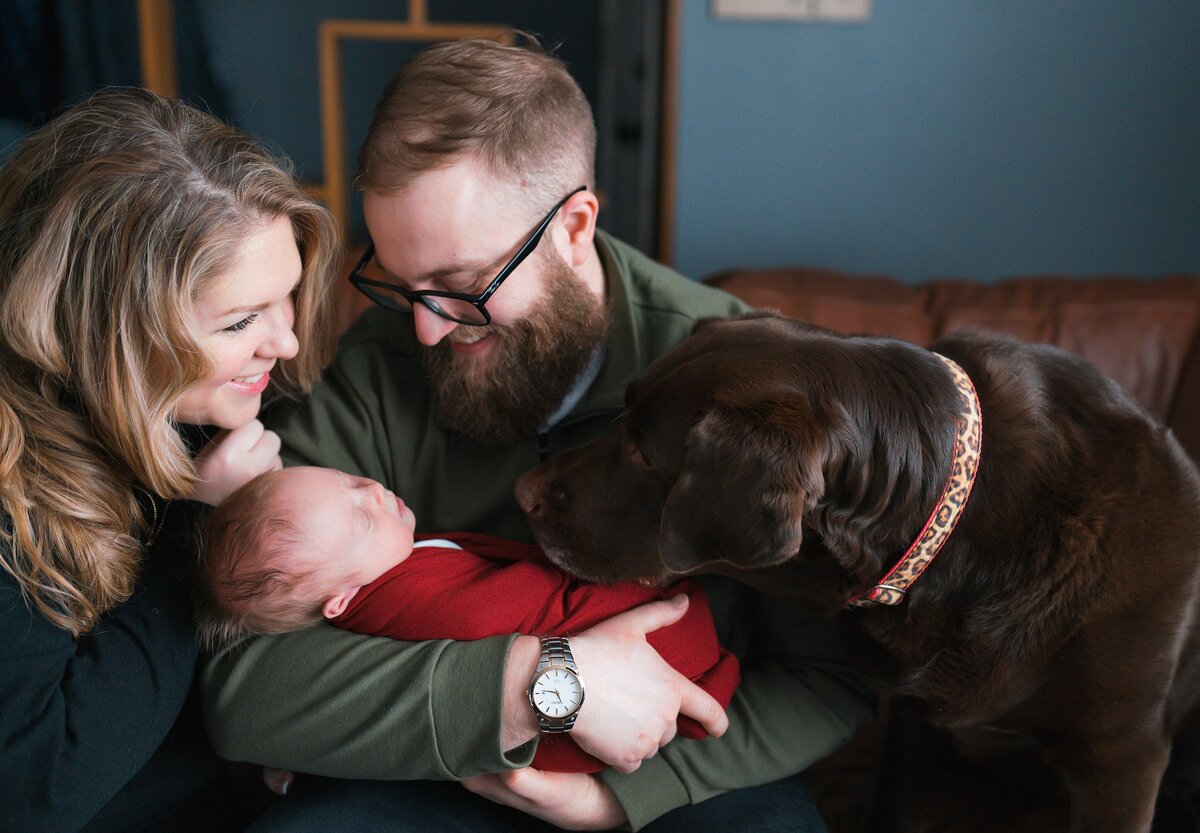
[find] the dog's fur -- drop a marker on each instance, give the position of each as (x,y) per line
(1055,633)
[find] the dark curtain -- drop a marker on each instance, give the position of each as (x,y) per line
(52,52)
(29,59)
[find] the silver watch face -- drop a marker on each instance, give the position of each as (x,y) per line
(557,693)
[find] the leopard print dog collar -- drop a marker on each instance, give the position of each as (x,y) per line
(968,441)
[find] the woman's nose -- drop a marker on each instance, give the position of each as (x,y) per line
(282,342)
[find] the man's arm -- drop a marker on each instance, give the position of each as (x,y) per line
(336,703)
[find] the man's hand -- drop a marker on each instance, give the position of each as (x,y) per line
(633,696)
(232,459)
(570,800)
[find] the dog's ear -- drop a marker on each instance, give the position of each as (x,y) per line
(750,472)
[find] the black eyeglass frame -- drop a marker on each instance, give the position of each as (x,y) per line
(426,296)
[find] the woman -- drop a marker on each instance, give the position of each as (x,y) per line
(157,270)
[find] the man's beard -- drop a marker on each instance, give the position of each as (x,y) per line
(537,361)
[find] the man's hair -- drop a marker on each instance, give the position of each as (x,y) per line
(248,581)
(114,218)
(514,109)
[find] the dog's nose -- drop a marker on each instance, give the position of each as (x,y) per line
(526,492)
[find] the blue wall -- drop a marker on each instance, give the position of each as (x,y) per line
(944,137)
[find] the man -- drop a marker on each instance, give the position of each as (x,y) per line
(520,327)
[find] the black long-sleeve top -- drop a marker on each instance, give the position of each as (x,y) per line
(94,733)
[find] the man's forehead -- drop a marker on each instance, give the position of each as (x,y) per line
(456,194)
(416,235)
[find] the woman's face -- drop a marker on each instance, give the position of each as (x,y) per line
(244,319)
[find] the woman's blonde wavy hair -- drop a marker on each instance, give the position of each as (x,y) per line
(113,218)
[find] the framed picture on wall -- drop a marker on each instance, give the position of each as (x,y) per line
(837,11)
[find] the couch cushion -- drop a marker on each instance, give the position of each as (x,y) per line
(1141,344)
(1137,331)
(836,300)
(1023,324)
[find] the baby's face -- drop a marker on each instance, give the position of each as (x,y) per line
(356,529)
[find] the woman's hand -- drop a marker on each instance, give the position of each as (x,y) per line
(233,458)
(634,697)
(570,800)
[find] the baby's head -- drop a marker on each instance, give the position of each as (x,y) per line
(293,547)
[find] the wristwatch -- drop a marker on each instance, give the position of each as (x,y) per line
(556,691)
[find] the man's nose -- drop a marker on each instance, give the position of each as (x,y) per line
(431,327)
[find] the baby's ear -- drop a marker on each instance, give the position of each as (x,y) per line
(335,606)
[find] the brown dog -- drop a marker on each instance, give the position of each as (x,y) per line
(1053,641)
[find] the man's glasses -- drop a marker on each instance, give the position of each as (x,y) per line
(460,307)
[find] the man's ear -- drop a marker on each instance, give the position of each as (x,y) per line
(335,606)
(750,473)
(579,220)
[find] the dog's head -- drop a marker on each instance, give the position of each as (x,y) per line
(712,468)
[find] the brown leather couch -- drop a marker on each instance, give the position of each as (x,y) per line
(1145,333)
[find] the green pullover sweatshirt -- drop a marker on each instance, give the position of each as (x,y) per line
(340,704)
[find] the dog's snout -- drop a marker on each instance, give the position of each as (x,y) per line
(527,493)
(538,495)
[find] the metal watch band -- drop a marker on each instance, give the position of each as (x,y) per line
(556,653)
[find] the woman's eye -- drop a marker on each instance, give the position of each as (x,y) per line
(241,325)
